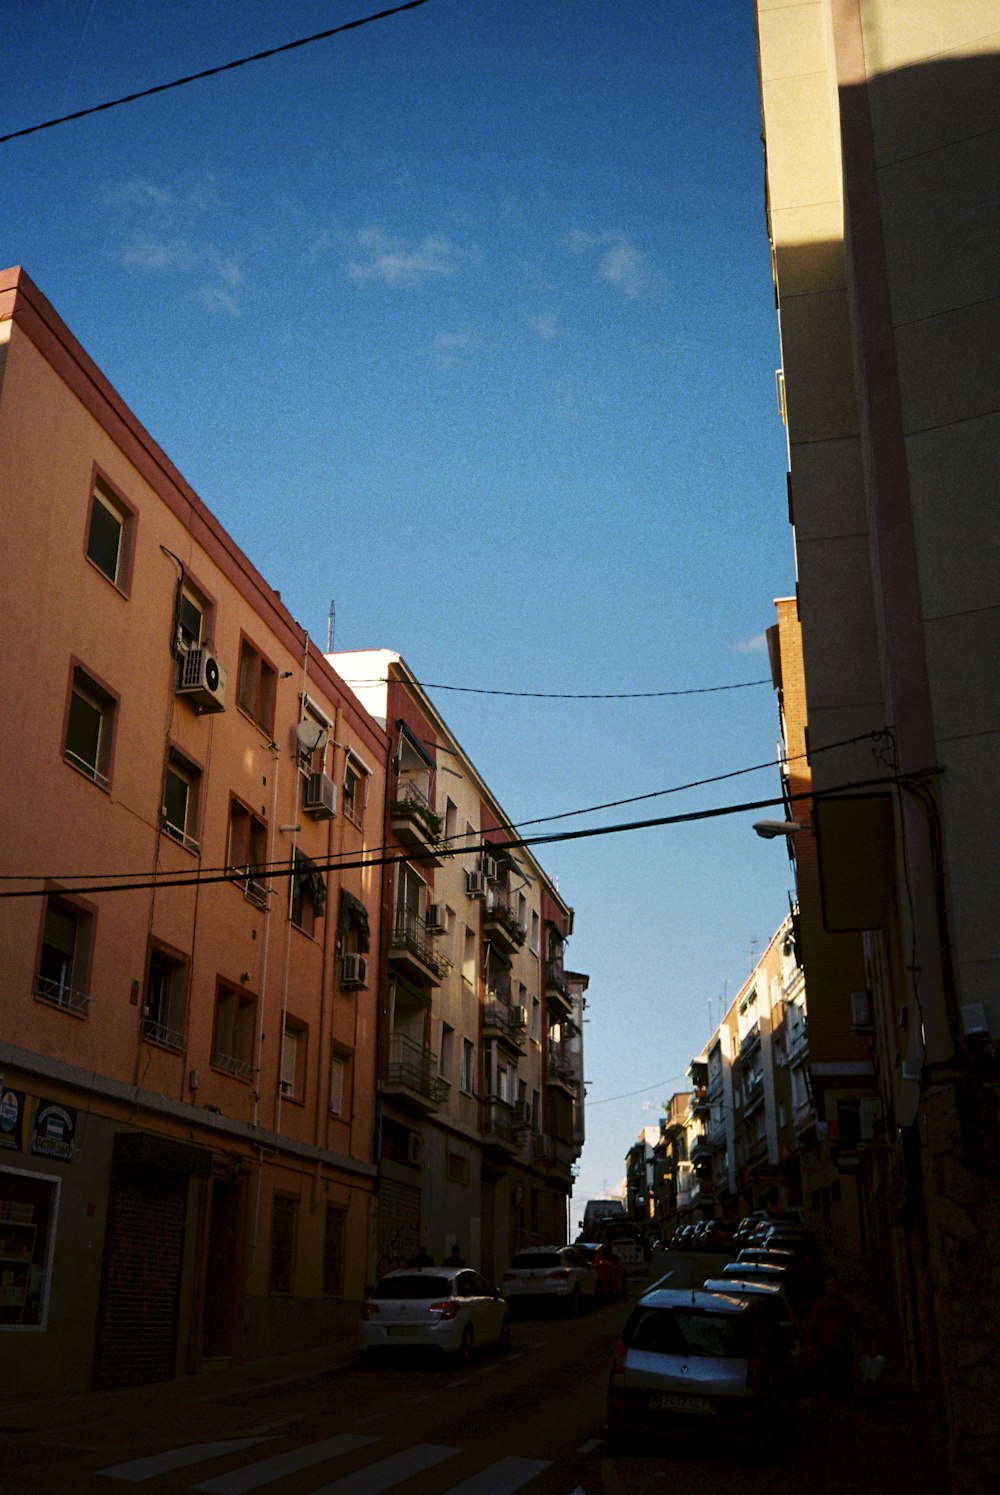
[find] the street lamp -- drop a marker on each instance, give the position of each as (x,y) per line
(770,829)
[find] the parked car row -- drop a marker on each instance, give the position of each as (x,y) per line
(693,1360)
(458,1311)
(727,1357)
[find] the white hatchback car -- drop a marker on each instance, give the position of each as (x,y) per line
(452,1309)
(558,1272)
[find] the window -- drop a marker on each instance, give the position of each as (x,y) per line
(90,727)
(535,932)
(233,1036)
(248,851)
(355,794)
(258,681)
(447,1052)
(293,1059)
(536,1020)
(284,1228)
(308,894)
(64,960)
(29,1205)
(109,535)
(458,1168)
(469,957)
(338,1073)
(192,618)
(468,1066)
(181,785)
(334,1239)
(313,735)
(166,985)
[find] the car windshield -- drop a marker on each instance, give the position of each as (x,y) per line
(413,1287)
(681,1331)
(536,1259)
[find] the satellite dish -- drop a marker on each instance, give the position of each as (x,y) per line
(311,735)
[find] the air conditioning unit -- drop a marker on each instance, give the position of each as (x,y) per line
(488,867)
(435,918)
(475,884)
(353,970)
(861,1009)
(203,680)
(519,1016)
(319,798)
(414,1148)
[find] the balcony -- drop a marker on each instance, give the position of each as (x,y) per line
(507,1024)
(797,1042)
(500,924)
(557,990)
(500,1129)
(560,1072)
(750,1041)
(701,1151)
(551,1152)
(411,1076)
(700,1104)
(411,950)
(415,824)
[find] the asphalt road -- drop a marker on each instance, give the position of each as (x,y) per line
(530,1420)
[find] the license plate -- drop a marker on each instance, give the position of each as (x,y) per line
(402,1329)
(667,1403)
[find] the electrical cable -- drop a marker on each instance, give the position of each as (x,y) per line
(551,838)
(556,695)
(211,72)
(265,868)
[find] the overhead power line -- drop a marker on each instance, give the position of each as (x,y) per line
(211,72)
(510,844)
(265,868)
(558,695)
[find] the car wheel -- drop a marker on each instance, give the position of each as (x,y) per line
(503,1343)
(467,1348)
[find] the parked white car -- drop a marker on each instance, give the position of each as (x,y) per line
(560,1273)
(452,1309)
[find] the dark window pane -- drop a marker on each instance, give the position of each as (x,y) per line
(104,540)
(83,736)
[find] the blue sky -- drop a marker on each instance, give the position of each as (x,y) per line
(464,320)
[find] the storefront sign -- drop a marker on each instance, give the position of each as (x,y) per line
(54,1130)
(13,1104)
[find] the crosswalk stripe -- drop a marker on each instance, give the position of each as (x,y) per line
(176,1458)
(237,1481)
(375,1478)
(502,1478)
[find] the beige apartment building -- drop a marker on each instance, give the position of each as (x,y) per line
(882,148)
(481,1065)
(187,1009)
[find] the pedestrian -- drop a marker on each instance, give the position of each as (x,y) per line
(423,1258)
(830,1332)
(454,1258)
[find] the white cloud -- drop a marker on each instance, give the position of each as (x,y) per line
(403,262)
(620,263)
(450,348)
(755,645)
(546,325)
(143,252)
(162,232)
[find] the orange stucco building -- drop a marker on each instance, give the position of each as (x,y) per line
(187,1078)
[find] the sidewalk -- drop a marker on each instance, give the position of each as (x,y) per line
(216,1397)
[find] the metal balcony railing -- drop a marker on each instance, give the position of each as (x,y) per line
(414,1065)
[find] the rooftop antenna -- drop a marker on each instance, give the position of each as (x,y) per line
(331,626)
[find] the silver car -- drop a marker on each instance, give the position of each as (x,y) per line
(452,1309)
(699,1363)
